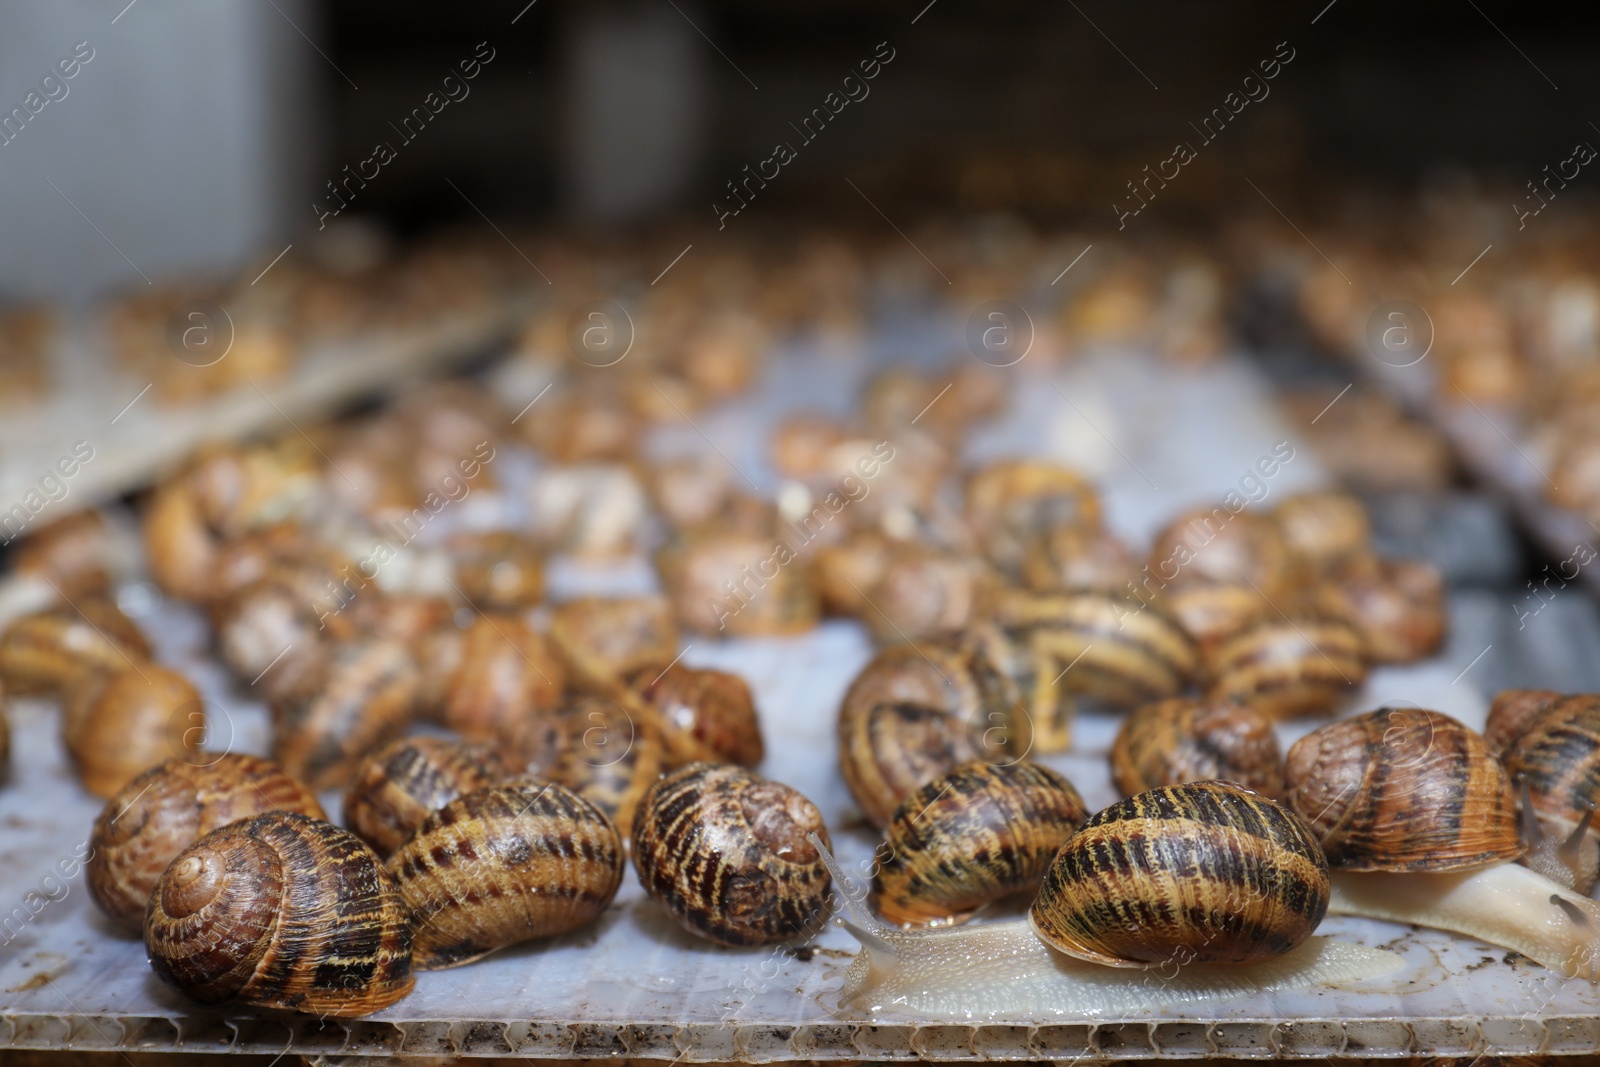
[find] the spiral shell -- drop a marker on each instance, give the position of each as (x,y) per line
(738,583)
(281,911)
(1072,558)
(1218,546)
(701,715)
(972,837)
(1550,746)
(488,676)
(42,652)
(505,865)
(1207,872)
(1172,742)
(607,756)
(1397,605)
(602,638)
(498,570)
(119,723)
(1299,663)
(170,807)
(364,695)
(397,787)
(1323,527)
(1013,502)
(1403,789)
(725,852)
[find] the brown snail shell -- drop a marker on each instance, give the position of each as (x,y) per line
(921,592)
(1397,605)
(739,583)
(498,570)
(1218,546)
(1550,746)
(281,911)
(701,715)
(79,554)
(972,837)
(608,756)
(1070,558)
(1299,663)
(1172,742)
(1403,789)
(1011,503)
(397,787)
(725,852)
(363,695)
(44,651)
(1207,872)
(275,631)
(1212,612)
(602,638)
(490,675)
(170,807)
(1323,527)
(504,865)
(119,723)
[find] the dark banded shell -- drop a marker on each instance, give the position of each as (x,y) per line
(608,756)
(397,787)
(168,808)
(1403,789)
(1207,872)
(364,694)
(701,714)
(44,651)
(1550,746)
(725,852)
(1188,739)
(505,865)
(281,911)
(970,838)
(1287,665)
(1397,605)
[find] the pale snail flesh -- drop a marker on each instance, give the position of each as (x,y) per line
(1550,745)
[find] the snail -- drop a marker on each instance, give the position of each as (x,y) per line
(81,554)
(607,757)
(397,787)
(1299,662)
(118,723)
(1550,746)
(601,638)
(43,651)
(1220,546)
(972,837)
(1068,558)
(725,851)
(916,712)
(688,491)
(1396,604)
(904,590)
(1323,527)
(170,807)
(488,675)
(1419,823)
(700,714)
(1013,502)
(498,570)
(1186,739)
(281,911)
(1201,893)
(738,583)
(274,632)
(363,695)
(503,865)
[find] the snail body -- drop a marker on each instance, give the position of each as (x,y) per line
(701,715)
(1550,746)
(364,694)
(396,788)
(119,723)
(44,651)
(505,865)
(1180,740)
(281,911)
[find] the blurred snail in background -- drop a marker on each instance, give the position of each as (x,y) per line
(1216,569)
(1298,662)
(481,679)
(398,786)
(1397,605)
(727,853)
(119,723)
(1550,746)
(700,714)
(44,651)
(691,490)
(1011,503)
(281,911)
(602,638)
(736,583)
(971,837)
(903,590)
(1419,824)
(1069,558)
(363,694)
(1187,739)
(170,807)
(1323,527)
(607,757)
(498,570)
(276,630)
(504,865)
(80,554)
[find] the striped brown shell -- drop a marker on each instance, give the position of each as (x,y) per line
(608,756)
(498,570)
(725,852)
(1207,872)
(970,838)
(1323,527)
(701,714)
(42,652)
(1403,789)
(1010,503)
(281,911)
(772,589)
(1189,739)
(1075,558)
(1302,662)
(602,638)
(168,808)
(904,590)
(119,723)
(363,695)
(397,787)
(505,865)
(1212,612)
(1398,605)
(1550,746)
(482,679)
(1218,546)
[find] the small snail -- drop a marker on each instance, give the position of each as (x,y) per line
(1219,546)
(498,570)
(904,590)
(1419,823)
(504,865)
(1070,558)
(1288,664)
(118,723)
(607,757)
(1550,746)
(972,837)
(397,787)
(1396,604)
(601,638)
(725,851)
(1013,502)
(80,554)
(170,807)
(595,511)
(701,714)
(281,911)
(363,695)
(42,652)
(739,583)
(1186,739)
(1323,527)
(483,678)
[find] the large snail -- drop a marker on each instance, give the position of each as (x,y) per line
(1419,823)
(119,723)
(1199,893)
(281,911)
(1550,745)
(397,787)
(1190,740)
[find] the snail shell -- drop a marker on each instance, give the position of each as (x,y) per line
(495,672)
(1184,739)
(170,807)
(1207,872)
(364,694)
(504,865)
(498,570)
(80,554)
(1069,558)
(397,787)
(1300,663)
(119,723)
(1550,746)
(1212,612)
(44,651)
(972,837)
(701,715)
(1013,502)
(1397,605)
(718,581)
(1403,789)
(1323,527)
(725,851)
(607,756)
(602,638)
(922,592)
(1216,546)
(276,630)
(281,911)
